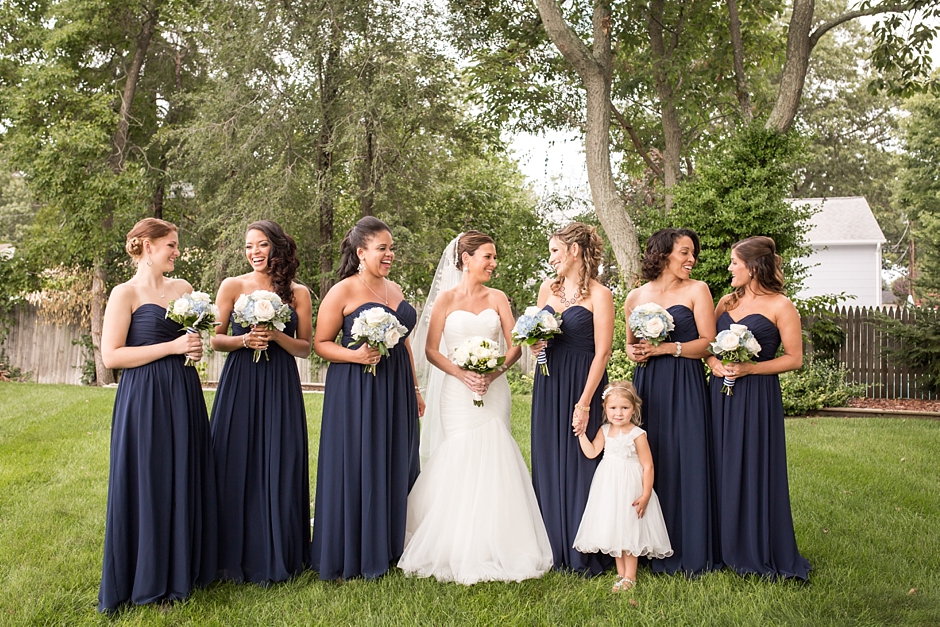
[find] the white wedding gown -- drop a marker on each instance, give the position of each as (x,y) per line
(472,513)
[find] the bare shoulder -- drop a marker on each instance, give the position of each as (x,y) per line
(600,290)
(700,289)
(339,292)
(301,292)
(123,294)
(783,306)
(635,297)
(180,286)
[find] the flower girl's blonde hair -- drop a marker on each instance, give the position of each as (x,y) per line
(624,389)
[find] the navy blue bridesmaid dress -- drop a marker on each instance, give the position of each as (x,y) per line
(368,461)
(259,439)
(677,422)
(159,540)
(755,521)
(561,474)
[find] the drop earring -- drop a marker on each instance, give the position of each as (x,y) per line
(149,261)
(362,266)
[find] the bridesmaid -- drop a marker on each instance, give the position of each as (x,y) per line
(159,538)
(675,399)
(368,457)
(750,444)
(259,425)
(568,403)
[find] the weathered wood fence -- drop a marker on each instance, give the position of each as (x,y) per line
(865,354)
(47,352)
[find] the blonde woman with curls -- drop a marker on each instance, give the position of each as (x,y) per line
(567,403)
(750,444)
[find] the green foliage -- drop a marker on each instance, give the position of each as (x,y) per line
(9,372)
(620,367)
(15,280)
(89,374)
(820,323)
(919,340)
(819,383)
(739,192)
(519,381)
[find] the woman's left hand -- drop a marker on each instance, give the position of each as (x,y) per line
(738,370)
(579,421)
(421,404)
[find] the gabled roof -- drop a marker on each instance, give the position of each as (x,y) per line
(842,220)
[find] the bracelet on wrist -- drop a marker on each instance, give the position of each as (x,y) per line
(582,408)
(245,340)
(678,349)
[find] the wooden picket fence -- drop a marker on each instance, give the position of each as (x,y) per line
(865,354)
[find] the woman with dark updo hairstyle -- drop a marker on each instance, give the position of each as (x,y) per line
(259,425)
(568,403)
(368,456)
(755,522)
(675,399)
(160,528)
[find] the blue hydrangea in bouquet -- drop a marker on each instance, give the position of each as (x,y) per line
(196,312)
(735,345)
(652,323)
(535,325)
(261,309)
(378,328)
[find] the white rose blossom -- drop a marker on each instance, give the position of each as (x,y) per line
(241,303)
(752,345)
(264,310)
(728,341)
(738,329)
(655,326)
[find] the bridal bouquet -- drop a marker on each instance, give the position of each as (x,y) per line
(734,346)
(652,323)
(379,329)
(262,309)
(196,312)
(479,355)
(535,325)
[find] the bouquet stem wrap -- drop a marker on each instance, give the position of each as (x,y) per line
(542,361)
(727,385)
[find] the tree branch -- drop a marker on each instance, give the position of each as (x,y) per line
(566,39)
(737,47)
(821,30)
(637,143)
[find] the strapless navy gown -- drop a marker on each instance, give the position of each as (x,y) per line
(159,540)
(368,461)
(561,474)
(259,439)
(678,426)
(755,521)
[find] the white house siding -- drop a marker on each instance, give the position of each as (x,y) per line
(851,268)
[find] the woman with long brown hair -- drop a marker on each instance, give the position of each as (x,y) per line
(755,521)
(159,538)
(259,425)
(568,403)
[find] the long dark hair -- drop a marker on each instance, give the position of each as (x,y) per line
(358,237)
(759,254)
(282,260)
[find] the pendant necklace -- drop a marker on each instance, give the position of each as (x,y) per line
(385,300)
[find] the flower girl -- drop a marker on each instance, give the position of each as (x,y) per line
(622,517)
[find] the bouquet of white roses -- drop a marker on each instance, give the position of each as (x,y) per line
(535,325)
(479,355)
(196,312)
(379,329)
(652,323)
(262,309)
(734,346)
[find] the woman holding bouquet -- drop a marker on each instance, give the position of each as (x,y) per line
(671,381)
(567,403)
(368,456)
(259,425)
(160,532)
(472,515)
(750,444)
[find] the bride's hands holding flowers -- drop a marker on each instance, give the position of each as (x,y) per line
(477,383)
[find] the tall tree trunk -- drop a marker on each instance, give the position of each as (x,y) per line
(329,90)
(99,286)
(595,70)
(672,132)
(793,76)
(737,49)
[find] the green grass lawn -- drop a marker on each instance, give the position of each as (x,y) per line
(866,504)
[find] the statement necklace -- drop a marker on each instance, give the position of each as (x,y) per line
(385,300)
(564,301)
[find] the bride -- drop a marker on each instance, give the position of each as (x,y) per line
(472,513)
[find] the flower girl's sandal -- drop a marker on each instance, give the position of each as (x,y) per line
(623,583)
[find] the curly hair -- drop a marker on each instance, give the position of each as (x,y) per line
(625,389)
(759,254)
(282,259)
(468,243)
(660,245)
(147,229)
(358,237)
(592,252)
